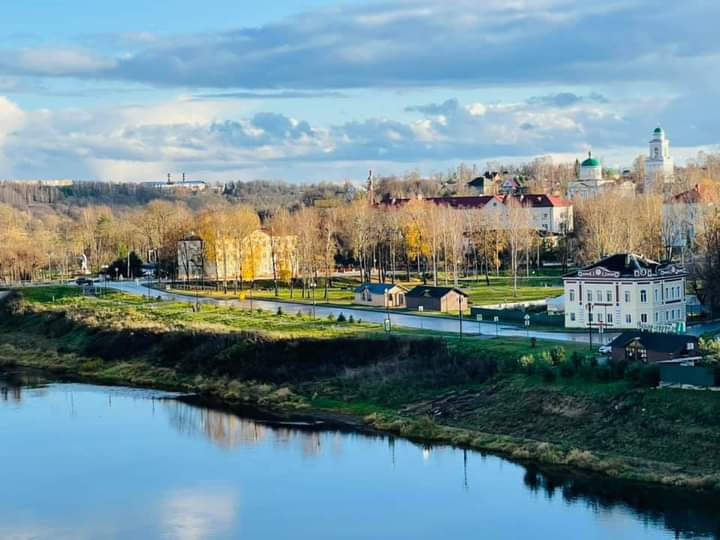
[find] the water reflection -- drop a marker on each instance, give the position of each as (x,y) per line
(13,384)
(167,481)
(688,515)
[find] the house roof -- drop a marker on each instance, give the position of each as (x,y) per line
(377,288)
(699,193)
(480,201)
(667,343)
(424,291)
(625,265)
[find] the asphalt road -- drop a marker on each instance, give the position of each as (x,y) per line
(441,324)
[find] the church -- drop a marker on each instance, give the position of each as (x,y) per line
(590,180)
(659,166)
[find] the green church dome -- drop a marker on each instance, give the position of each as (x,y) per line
(590,162)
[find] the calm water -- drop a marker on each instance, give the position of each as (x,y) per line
(81,461)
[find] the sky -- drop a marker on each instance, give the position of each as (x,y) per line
(316,90)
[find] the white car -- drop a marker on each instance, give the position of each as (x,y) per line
(605,349)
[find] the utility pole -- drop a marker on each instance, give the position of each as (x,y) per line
(590,306)
(460,311)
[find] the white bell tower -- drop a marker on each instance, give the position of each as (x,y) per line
(659,166)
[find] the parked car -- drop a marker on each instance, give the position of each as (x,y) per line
(605,349)
(83,281)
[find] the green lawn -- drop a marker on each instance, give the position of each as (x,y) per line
(499,291)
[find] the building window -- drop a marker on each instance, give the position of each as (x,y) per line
(598,295)
(627,297)
(589,296)
(572,295)
(643,296)
(609,318)
(678,291)
(657,316)
(667,315)
(657,296)
(590,316)
(572,316)
(600,318)
(609,296)
(643,317)
(628,319)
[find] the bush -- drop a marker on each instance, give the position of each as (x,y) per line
(547,372)
(341,318)
(557,355)
(351,319)
(567,370)
(279,310)
(331,317)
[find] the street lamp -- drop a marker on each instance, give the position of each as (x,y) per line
(497,326)
(460,311)
(388,326)
(527,325)
(479,318)
(590,307)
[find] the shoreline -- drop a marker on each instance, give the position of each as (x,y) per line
(51,341)
(540,454)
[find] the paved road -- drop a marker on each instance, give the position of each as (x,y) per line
(442,324)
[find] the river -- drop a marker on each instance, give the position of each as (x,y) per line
(90,462)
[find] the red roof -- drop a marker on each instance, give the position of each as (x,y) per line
(694,196)
(480,201)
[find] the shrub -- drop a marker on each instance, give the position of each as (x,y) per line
(279,310)
(557,355)
(547,372)
(331,317)
(341,318)
(351,319)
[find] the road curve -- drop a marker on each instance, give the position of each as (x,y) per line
(408,320)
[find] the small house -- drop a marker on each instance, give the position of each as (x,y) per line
(654,347)
(442,299)
(380,295)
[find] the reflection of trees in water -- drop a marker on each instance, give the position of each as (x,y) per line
(228,430)
(687,514)
(10,393)
(12,386)
(225,430)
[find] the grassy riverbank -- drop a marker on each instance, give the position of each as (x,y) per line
(548,403)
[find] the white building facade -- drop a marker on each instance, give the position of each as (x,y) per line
(659,166)
(683,217)
(626,291)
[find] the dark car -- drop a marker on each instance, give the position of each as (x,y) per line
(84,282)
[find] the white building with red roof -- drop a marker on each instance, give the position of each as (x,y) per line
(683,215)
(548,213)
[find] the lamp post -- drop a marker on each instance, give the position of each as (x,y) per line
(388,326)
(497,325)
(527,325)
(590,306)
(460,312)
(479,318)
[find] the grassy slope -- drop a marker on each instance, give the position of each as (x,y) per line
(664,435)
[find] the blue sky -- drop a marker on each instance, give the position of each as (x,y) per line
(324,90)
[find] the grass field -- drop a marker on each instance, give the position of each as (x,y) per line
(499,291)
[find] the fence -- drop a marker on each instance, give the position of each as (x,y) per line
(693,375)
(517,316)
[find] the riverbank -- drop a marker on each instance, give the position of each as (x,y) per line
(546,404)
